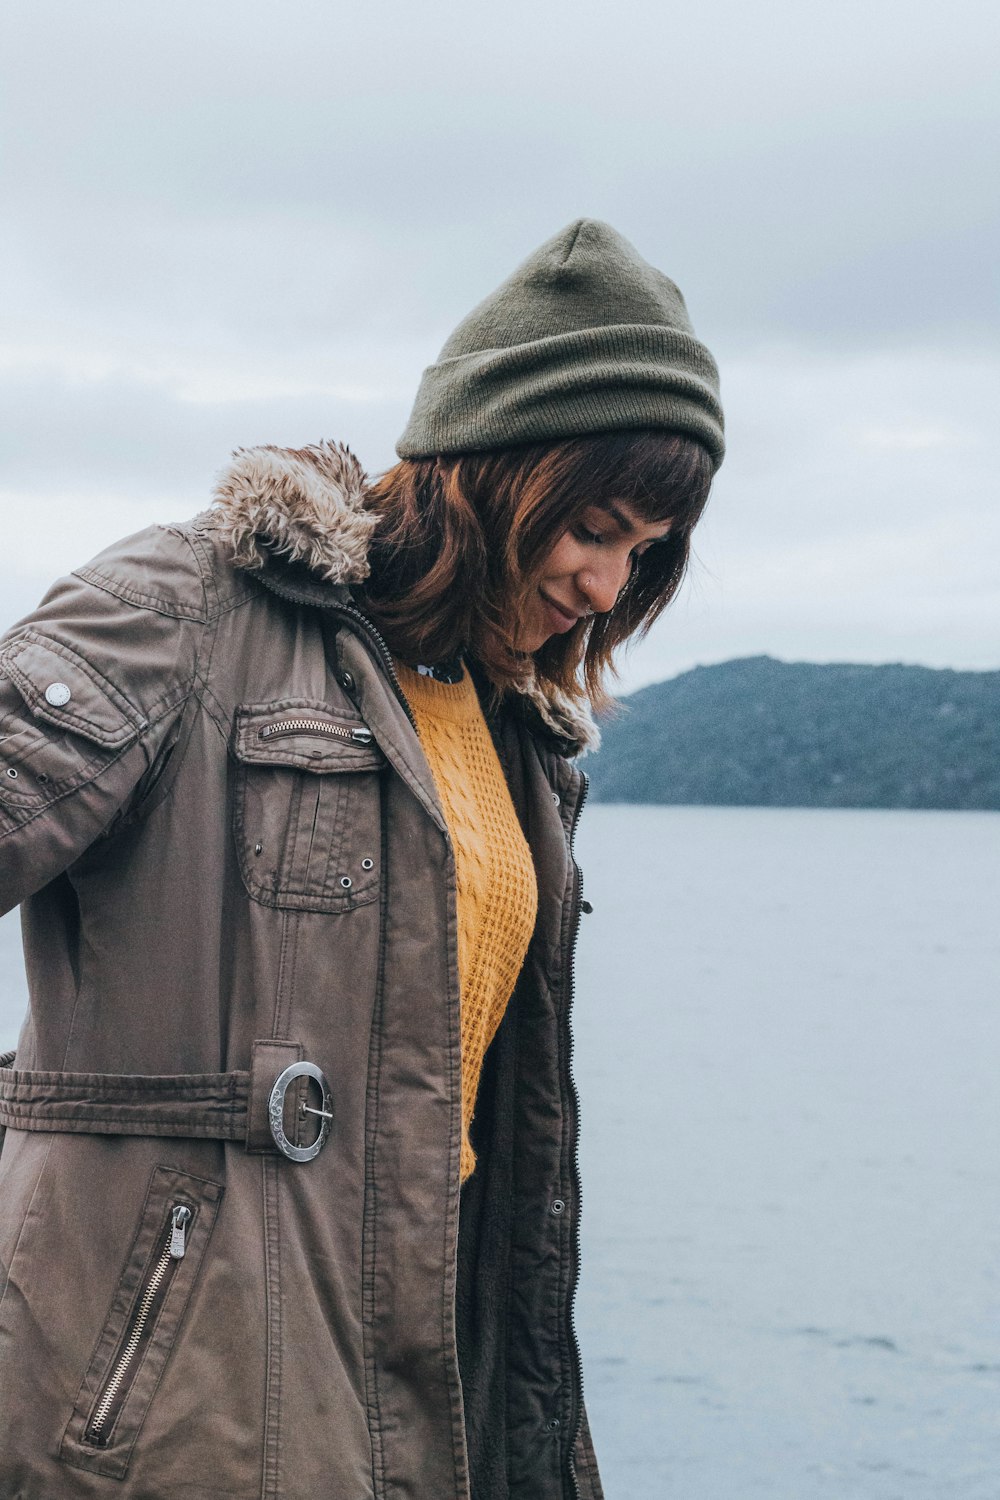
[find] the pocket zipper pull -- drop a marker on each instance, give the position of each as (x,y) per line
(363,736)
(180,1218)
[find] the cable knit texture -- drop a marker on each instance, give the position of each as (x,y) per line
(497,893)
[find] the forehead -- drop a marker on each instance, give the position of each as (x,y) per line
(629,522)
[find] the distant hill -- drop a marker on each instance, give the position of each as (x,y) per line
(765,733)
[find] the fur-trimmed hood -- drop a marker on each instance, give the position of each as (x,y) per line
(307,505)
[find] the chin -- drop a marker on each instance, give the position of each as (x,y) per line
(532,640)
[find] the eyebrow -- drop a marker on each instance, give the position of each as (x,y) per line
(628,527)
(618,515)
(610,509)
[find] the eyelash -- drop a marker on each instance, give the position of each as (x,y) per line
(596,539)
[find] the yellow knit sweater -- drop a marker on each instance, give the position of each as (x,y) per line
(497,894)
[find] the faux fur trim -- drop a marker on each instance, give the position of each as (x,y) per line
(307,505)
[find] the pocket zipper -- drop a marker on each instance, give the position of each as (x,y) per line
(113,1393)
(314,726)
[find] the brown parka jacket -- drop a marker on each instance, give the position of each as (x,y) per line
(216,811)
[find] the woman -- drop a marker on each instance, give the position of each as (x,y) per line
(286,794)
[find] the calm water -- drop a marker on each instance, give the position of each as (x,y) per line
(788,1031)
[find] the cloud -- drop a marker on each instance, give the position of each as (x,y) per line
(262,176)
(251,222)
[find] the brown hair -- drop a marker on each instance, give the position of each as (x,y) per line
(461,542)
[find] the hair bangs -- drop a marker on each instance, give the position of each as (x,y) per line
(461,542)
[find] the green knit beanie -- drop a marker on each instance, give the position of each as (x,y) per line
(584,337)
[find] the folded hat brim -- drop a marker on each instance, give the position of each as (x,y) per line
(591,380)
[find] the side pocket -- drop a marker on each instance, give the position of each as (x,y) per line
(142,1326)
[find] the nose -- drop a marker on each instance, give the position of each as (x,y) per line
(601,583)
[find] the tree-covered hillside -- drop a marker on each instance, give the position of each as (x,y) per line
(760,732)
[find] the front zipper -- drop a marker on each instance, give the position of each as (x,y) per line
(314,726)
(114,1392)
(381,649)
(576,1424)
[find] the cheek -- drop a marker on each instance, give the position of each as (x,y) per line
(563,559)
(532,630)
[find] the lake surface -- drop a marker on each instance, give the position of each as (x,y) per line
(788,1044)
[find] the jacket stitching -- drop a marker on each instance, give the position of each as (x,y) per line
(213,708)
(172,608)
(24,1222)
(161,1347)
(107,689)
(82,780)
(194,677)
(209,581)
(129,815)
(197,537)
(89,1372)
(270,1451)
(369,1238)
(286,973)
(452,1385)
(199,533)
(508,1321)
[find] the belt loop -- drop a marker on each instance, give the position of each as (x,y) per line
(268,1058)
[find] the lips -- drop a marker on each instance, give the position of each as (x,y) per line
(563,619)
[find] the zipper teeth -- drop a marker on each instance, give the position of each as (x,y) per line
(314,726)
(574,1343)
(135,1339)
(385,654)
(377,640)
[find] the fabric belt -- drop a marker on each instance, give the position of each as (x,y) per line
(214,1106)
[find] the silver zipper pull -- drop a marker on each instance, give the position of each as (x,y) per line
(180,1218)
(363,736)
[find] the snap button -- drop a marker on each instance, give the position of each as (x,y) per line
(58,694)
(367,864)
(12,773)
(346,681)
(557,1206)
(555,798)
(258,848)
(346,882)
(553,1424)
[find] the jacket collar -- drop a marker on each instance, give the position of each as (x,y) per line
(297,517)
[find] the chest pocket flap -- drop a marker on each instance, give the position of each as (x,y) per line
(306,808)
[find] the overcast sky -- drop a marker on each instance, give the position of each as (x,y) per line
(228,223)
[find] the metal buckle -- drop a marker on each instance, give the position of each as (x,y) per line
(276,1111)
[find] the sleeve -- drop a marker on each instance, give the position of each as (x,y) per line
(92,685)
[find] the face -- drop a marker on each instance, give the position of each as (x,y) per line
(586,570)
